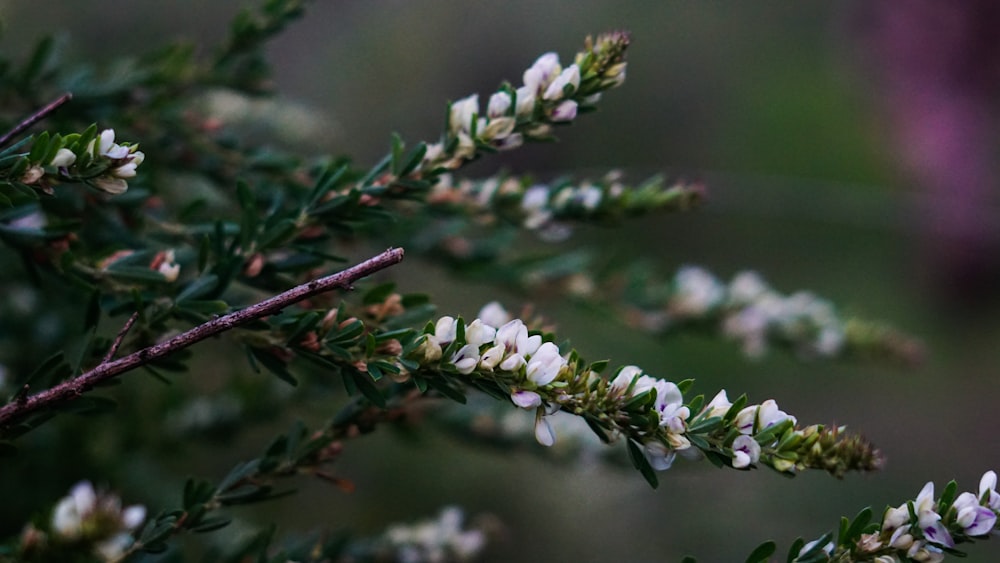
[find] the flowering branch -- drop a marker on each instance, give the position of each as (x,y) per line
(536,206)
(751,312)
(505,360)
(649,413)
(550,95)
(924,529)
(74,388)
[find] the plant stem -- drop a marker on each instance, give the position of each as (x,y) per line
(74,388)
(35,118)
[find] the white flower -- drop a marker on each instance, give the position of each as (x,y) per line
(746,451)
(718,406)
(498,105)
(462,113)
(615,76)
(769,415)
(901,538)
(494,314)
(63,158)
(513,362)
(895,517)
(566,111)
(497,129)
(107,184)
(466,359)
(746,287)
(696,292)
(526,399)
(828,548)
(445,329)
(929,520)
(987,490)
(535,198)
(479,333)
(542,72)
(569,77)
(509,142)
(492,357)
(127,170)
(430,348)
(590,197)
(526,97)
(434,152)
(69,514)
(514,336)
(104,145)
(749,325)
(659,456)
(976,520)
(545,364)
(624,378)
(167,266)
(543,430)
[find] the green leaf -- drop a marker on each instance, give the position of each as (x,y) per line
(396,153)
(762,552)
(815,554)
(196,492)
(794,550)
(237,474)
(599,366)
(39,147)
(198,287)
(857,526)
(705,426)
(947,497)
(734,410)
(278,234)
(376,170)
(274,364)
(211,524)
(368,388)
(640,462)
(412,159)
(326,182)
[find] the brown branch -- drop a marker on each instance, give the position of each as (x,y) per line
(74,388)
(121,336)
(35,118)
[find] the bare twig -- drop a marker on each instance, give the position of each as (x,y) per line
(35,118)
(74,388)
(121,336)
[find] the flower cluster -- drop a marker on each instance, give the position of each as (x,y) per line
(122,161)
(538,206)
(748,310)
(550,94)
(923,529)
(434,541)
(646,411)
(90,518)
(99,162)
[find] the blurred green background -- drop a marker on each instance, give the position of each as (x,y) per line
(777,107)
